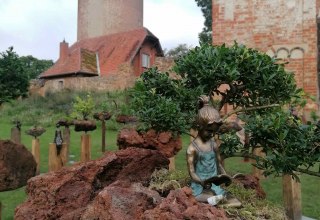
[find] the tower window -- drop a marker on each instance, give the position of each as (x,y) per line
(145,60)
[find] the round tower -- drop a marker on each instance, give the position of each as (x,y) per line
(103,17)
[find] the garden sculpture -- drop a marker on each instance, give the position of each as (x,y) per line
(58,138)
(204,161)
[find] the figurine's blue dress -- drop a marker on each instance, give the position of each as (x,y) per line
(205,167)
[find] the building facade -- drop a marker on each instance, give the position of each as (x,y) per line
(285,29)
(112,46)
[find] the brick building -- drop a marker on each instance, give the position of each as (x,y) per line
(112,45)
(286,29)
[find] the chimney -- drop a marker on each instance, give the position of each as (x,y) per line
(64,47)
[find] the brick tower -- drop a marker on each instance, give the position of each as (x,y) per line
(103,17)
(285,29)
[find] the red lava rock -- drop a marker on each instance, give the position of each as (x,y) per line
(126,119)
(180,204)
(70,192)
(251,182)
(116,202)
(164,142)
(17,165)
(129,138)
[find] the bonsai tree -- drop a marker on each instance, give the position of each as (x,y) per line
(257,87)
(103,116)
(82,109)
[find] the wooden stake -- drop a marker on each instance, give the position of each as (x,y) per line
(16,135)
(56,161)
(85,147)
(292,197)
(36,153)
(172,165)
(64,154)
(103,130)
(66,140)
(255,171)
(0,210)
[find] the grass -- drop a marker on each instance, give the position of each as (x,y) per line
(47,111)
(272,186)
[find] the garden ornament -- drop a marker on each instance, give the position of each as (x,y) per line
(58,139)
(17,124)
(35,131)
(204,161)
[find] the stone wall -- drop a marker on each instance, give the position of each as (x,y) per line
(123,79)
(285,29)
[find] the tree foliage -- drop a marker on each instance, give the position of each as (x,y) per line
(257,87)
(163,103)
(206,7)
(32,66)
(82,107)
(178,51)
(253,78)
(13,81)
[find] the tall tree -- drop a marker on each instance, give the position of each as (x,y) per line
(13,82)
(206,7)
(33,66)
(178,51)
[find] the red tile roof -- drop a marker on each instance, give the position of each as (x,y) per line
(111,50)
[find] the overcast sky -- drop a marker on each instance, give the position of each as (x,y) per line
(36,27)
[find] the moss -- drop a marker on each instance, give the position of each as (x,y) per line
(252,208)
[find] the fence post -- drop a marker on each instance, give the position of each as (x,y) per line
(16,135)
(85,147)
(292,197)
(36,153)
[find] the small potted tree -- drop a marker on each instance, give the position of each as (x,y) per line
(36,131)
(103,116)
(82,108)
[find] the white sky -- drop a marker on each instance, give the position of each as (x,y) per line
(36,27)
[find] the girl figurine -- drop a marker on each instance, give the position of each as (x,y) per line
(203,156)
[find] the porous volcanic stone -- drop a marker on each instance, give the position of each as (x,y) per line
(180,204)
(73,192)
(164,142)
(17,165)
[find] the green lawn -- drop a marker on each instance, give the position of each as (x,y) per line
(272,186)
